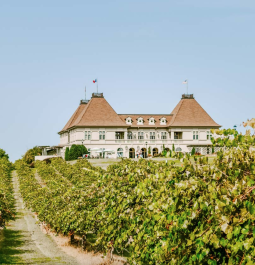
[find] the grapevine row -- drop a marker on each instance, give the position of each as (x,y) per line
(160,213)
(6,192)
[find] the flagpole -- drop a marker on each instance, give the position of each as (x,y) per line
(97,85)
(187,87)
(85,92)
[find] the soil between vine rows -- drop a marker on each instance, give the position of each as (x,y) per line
(23,242)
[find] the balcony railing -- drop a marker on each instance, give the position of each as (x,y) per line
(119,141)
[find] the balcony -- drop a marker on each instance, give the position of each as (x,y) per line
(120,141)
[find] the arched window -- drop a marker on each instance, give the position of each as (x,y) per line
(120,152)
(132,153)
(178,149)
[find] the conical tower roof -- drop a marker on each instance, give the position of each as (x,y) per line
(188,112)
(98,112)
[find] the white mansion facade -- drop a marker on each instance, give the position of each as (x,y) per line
(97,126)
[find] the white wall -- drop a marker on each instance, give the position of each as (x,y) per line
(77,135)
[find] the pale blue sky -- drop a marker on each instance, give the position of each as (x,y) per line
(140,51)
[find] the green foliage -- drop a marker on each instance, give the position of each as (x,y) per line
(149,150)
(168,154)
(159,212)
(29,156)
(83,149)
(193,151)
(67,154)
(77,151)
(3,154)
(6,192)
(213,150)
(173,148)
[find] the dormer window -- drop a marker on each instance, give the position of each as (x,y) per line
(163,121)
(128,121)
(140,121)
(151,121)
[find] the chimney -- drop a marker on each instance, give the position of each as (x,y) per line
(187,96)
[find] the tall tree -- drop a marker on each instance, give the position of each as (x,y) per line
(173,148)
(3,154)
(29,156)
(67,154)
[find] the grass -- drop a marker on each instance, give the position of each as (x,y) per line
(10,242)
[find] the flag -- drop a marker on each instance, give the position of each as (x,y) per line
(185,82)
(94,81)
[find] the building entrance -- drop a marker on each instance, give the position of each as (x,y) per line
(131,153)
(144,152)
(155,151)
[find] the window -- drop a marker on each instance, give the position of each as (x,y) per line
(120,152)
(140,135)
(151,121)
(87,135)
(195,135)
(129,121)
(101,135)
(152,135)
(140,121)
(177,135)
(130,135)
(163,135)
(163,121)
(119,135)
(208,135)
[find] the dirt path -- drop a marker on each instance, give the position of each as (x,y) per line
(23,242)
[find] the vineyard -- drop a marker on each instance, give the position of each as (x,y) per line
(6,192)
(153,212)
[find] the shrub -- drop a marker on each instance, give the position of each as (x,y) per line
(74,152)
(149,150)
(193,151)
(173,148)
(77,151)
(67,154)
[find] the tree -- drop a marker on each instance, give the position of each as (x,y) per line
(29,156)
(77,151)
(74,152)
(173,148)
(149,150)
(3,154)
(83,149)
(213,150)
(67,154)
(193,151)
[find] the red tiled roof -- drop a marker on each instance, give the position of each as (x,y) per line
(97,112)
(188,112)
(75,116)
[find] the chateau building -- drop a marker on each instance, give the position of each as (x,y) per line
(96,125)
